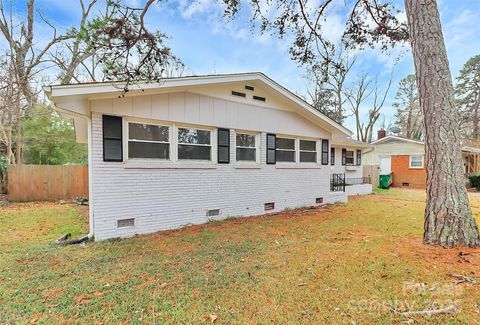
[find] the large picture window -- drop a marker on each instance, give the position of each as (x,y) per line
(194,144)
(246,147)
(308,151)
(148,141)
(285,149)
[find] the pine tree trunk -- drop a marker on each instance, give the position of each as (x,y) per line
(448,217)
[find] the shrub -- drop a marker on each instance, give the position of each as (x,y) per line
(474,180)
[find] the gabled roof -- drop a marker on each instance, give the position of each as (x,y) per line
(85,90)
(395,137)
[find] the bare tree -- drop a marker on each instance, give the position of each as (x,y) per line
(326,89)
(366,92)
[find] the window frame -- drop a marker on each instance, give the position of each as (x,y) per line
(300,151)
(257,147)
(127,137)
(173,138)
(416,167)
(346,157)
(295,150)
(212,145)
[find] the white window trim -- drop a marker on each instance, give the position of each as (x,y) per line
(173,162)
(257,148)
(416,167)
(295,150)
(317,143)
(212,145)
(353,157)
(126,136)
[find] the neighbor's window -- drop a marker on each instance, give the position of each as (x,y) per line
(148,141)
(308,151)
(246,147)
(194,144)
(285,149)
(349,158)
(416,161)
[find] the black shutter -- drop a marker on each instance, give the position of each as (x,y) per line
(112,138)
(344,157)
(223,146)
(359,157)
(332,156)
(324,152)
(271,147)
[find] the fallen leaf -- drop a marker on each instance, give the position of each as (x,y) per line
(213,318)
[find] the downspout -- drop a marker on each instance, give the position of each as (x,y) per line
(90,177)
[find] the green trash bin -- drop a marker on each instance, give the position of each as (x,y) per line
(384,181)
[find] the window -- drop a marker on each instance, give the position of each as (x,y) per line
(239,94)
(416,161)
(223,146)
(308,151)
(324,152)
(285,149)
(246,147)
(194,144)
(251,88)
(332,156)
(148,141)
(112,138)
(359,157)
(271,149)
(349,158)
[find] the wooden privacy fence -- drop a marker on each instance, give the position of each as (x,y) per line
(373,172)
(46,183)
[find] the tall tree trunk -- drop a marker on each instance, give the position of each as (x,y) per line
(448,217)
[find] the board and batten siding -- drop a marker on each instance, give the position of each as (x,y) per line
(167,198)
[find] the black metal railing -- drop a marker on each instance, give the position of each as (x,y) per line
(357,181)
(337,183)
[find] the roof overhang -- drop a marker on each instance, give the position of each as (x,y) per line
(74,99)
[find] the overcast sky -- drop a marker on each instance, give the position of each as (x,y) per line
(208,43)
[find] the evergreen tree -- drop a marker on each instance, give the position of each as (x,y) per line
(407,109)
(467,92)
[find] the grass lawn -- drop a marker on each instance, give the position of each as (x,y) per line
(359,262)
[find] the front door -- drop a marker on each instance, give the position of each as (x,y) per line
(385,165)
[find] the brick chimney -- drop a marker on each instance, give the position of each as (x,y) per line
(381,134)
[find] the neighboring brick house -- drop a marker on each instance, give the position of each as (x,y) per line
(186,150)
(404,159)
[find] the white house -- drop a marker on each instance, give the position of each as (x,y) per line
(186,150)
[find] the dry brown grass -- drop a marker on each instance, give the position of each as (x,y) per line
(360,262)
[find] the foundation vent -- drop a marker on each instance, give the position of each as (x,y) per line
(125,222)
(213,213)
